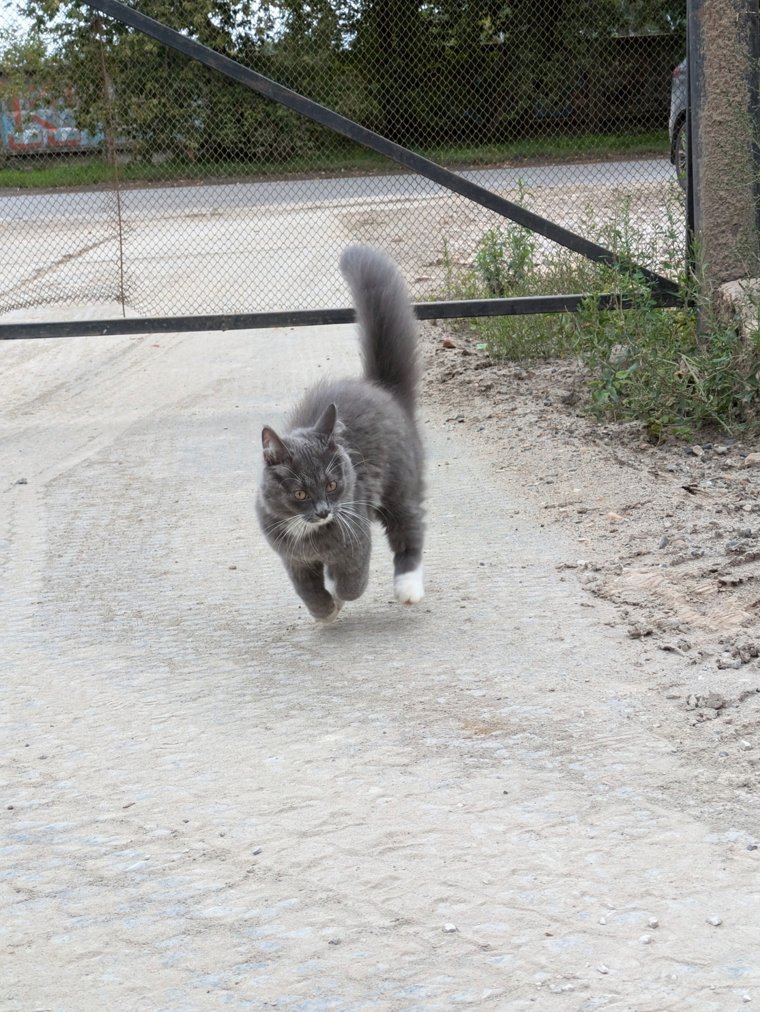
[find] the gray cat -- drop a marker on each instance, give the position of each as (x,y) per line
(351,454)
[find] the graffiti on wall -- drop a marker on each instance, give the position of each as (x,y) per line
(29,124)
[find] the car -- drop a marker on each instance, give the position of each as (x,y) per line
(679,91)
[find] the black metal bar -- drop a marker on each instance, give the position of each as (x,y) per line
(752,18)
(453,310)
(347,128)
(693,105)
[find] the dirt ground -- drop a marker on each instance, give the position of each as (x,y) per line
(669,533)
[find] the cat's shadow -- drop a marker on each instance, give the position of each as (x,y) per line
(356,623)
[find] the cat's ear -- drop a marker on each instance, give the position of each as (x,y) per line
(275,451)
(327,420)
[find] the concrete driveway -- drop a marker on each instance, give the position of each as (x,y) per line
(209,801)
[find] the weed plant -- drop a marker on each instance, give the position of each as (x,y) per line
(675,370)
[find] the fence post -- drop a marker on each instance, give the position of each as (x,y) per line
(722,173)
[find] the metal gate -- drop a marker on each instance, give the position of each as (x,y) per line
(102,232)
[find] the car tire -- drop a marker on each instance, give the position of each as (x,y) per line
(680,155)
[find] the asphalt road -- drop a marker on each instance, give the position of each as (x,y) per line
(223,197)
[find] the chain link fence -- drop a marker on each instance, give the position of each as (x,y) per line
(136,181)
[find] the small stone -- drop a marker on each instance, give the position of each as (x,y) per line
(697,451)
(257,852)
(450,928)
(715,921)
(603,969)
(750,846)
(752,460)
(653,922)
(22,481)
(334,941)
(664,541)
(714,700)
(745,745)
(448,343)
(615,518)
(721,450)
(602,920)
(727,661)
(645,939)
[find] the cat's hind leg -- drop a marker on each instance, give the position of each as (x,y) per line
(405,532)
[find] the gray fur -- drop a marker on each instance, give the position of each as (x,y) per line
(360,434)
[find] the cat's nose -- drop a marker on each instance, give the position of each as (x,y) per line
(322,511)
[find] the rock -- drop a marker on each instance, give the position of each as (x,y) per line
(715,921)
(752,460)
(645,939)
(714,700)
(603,969)
(450,928)
(447,343)
(737,303)
(697,451)
(565,396)
(653,922)
(727,661)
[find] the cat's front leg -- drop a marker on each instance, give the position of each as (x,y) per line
(308,580)
(348,578)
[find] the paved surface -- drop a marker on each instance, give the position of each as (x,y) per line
(209,801)
(223,197)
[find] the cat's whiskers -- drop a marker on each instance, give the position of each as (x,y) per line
(345,525)
(358,508)
(290,529)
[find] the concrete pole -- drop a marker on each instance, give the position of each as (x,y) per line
(723,106)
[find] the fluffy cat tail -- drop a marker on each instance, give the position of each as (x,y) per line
(387,324)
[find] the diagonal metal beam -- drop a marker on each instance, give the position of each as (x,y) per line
(347,128)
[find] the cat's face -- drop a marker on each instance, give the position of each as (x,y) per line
(307,477)
(309,482)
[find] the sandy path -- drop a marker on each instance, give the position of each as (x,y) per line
(210,802)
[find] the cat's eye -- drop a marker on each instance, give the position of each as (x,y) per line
(299,494)
(331,486)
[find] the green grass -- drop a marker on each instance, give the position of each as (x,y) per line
(644,363)
(68,172)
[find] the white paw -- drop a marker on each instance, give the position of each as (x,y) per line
(408,587)
(331,589)
(329,619)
